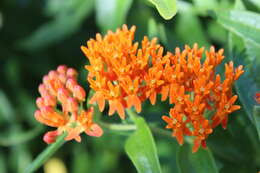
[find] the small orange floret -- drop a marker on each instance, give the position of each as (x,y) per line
(59,106)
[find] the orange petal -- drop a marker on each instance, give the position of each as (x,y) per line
(196,145)
(95,130)
(153,98)
(179,136)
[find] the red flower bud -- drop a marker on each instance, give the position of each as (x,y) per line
(50,137)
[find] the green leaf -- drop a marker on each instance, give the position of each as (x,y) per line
(58,29)
(243,23)
(187,20)
(141,149)
(257,119)
(6,110)
(16,138)
(166,8)
(111,14)
(203,6)
(156,30)
(200,162)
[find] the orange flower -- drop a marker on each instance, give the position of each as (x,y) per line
(119,71)
(60,88)
(125,75)
(196,92)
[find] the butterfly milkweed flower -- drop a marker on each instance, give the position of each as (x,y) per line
(60,106)
(124,73)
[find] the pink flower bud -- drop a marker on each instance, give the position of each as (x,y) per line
(45,80)
(46,111)
(72,105)
(62,78)
(40,102)
(79,93)
(62,69)
(62,95)
(50,137)
(43,90)
(72,73)
(71,83)
(94,130)
(49,100)
(37,115)
(53,75)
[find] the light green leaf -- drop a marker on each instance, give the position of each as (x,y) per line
(141,149)
(166,8)
(15,138)
(111,14)
(58,29)
(6,110)
(243,23)
(200,162)
(189,23)
(257,119)
(156,30)
(202,6)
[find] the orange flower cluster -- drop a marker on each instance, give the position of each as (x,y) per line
(60,106)
(125,74)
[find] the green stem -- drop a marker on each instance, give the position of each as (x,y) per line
(133,115)
(118,127)
(46,154)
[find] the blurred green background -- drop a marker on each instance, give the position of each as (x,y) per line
(37,36)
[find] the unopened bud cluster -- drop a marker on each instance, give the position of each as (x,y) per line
(59,107)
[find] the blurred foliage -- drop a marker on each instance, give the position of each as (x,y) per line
(36,36)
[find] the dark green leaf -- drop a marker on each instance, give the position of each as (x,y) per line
(257,119)
(200,162)
(141,149)
(166,8)
(58,29)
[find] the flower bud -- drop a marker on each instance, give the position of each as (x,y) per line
(79,93)
(53,75)
(49,100)
(63,95)
(72,105)
(50,137)
(46,80)
(72,73)
(62,78)
(70,84)
(40,102)
(43,90)
(47,111)
(62,69)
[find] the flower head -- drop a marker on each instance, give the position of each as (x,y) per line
(201,100)
(59,106)
(125,73)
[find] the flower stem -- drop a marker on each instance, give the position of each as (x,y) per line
(132,114)
(46,154)
(118,127)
